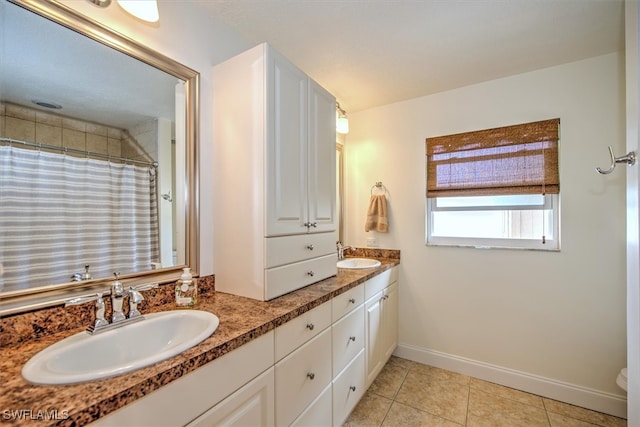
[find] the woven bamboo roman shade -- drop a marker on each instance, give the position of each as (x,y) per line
(518,159)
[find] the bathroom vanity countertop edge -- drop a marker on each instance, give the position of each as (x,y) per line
(241,321)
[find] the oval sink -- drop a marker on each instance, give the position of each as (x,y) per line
(356,263)
(83,357)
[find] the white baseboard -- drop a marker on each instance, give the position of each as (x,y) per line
(595,400)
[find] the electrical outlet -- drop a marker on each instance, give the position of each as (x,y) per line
(372,242)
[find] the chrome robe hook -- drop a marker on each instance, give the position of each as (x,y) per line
(629,158)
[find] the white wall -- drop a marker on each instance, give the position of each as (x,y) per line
(198,41)
(508,314)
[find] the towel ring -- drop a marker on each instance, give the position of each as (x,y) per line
(379,186)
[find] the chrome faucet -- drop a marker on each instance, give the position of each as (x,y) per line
(78,277)
(341,249)
(118,295)
(117,298)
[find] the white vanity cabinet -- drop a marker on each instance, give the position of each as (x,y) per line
(348,354)
(381,321)
(274,176)
(236,389)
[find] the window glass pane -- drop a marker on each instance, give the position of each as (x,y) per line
(471,201)
(496,224)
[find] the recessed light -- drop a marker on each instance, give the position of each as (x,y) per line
(100,3)
(46,104)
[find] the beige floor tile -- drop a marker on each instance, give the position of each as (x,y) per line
(583,414)
(488,410)
(558,420)
(509,393)
(370,411)
(405,416)
(388,382)
(440,374)
(404,363)
(432,393)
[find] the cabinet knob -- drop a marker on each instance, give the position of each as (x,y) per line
(310,273)
(311,375)
(352,300)
(310,326)
(313,224)
(352,339)
(353,388)
(310,247)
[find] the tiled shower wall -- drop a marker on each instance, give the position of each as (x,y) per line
(27,124)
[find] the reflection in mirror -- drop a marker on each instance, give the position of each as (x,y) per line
(97,147)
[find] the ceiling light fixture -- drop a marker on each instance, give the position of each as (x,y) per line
(147,10)
(342,122)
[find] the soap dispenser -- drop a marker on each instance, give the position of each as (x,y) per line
(186,289)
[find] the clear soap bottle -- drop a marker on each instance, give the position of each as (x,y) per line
(186,289)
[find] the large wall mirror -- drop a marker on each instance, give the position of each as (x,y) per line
(97,158)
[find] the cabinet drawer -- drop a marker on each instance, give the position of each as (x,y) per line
(318,413)
(301,377)
(348,388)
(282,280)
(347,338)
(379,282)
(293,334)
(251,406)
(287,249)
(344,303)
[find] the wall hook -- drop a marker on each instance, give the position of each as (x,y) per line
(629,158)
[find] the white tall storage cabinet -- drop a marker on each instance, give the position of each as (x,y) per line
(274,176)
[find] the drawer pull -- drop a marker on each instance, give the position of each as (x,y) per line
(310,326)
(310,273)
(352,300)
(353,388)
(352,339)
(310,247)
(311,375)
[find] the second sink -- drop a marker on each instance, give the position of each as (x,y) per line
(357,263)
(83,357)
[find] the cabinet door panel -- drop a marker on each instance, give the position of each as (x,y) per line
(286,147)
(322,159)
(390,321)
(251,406)
(374,337)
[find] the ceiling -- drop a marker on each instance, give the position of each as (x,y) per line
(375,52)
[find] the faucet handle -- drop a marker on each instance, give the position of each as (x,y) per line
(100,321)
(117,289)
(135,298)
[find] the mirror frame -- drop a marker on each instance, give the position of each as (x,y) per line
(32,299)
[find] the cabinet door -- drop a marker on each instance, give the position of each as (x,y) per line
(252,405)
(286,147)
(373,336)
(390,321)
(322,159)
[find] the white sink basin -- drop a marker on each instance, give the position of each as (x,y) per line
(83,357)
(356,263)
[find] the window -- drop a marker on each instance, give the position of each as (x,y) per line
(495,188)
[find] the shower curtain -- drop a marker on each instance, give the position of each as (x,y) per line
(59,213)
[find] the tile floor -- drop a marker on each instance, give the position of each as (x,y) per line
(409,394)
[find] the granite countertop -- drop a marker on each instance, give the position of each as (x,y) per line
(241,320)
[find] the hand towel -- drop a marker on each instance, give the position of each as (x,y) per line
(377,214)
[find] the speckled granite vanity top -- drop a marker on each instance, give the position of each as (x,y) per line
(241,320)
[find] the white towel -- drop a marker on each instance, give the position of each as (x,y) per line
(377,214)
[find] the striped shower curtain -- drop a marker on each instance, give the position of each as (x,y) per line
(59,213)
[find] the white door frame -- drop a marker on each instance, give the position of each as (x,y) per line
(632,69)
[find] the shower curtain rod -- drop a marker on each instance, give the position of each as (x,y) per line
(73,150)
